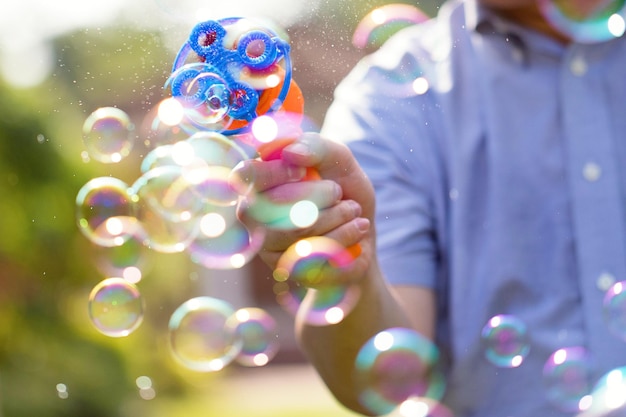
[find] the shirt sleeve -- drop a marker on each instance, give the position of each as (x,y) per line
(391,133)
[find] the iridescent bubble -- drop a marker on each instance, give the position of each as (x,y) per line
(105,211)
(385,21)
(309,260)
(420,407)
(162,234)
(395,365)
(201,339)
(115,307)
(205,97)
(223,242)
(309,263)
(586,22)
(505,340)
(608,397)
(566,377)
(215,157)
(614,309)
(258,332)
(108,135)
(330,305)
(127,260)
(166,191)
(164,125)
(158,157)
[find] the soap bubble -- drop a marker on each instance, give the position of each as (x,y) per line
(127,260)
(115,307)
(586,22)
(222,241)
(108,135)
(201,338)
(384,21)
(505,340)
(395,365)
(105,211)
(566,377)
(164,235)
(257,330)
(167,192)
(163,125)
(313,262)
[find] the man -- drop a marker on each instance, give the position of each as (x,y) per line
(498,191)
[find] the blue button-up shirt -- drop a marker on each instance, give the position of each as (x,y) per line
(500,178)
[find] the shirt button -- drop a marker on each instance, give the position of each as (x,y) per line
(578,66)
(605,281)
(591,171)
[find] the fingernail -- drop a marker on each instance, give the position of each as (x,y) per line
(362,224)
(299,148)
(356,207)
(296,172)
(338,192)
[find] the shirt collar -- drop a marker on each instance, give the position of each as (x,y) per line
(485,21)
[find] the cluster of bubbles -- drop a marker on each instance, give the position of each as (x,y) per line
(567,371)
(207,334)
(234,102)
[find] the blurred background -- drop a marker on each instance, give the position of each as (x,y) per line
(60,61)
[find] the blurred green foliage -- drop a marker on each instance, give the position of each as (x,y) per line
(47,268)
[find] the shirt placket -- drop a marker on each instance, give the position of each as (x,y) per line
(596,200)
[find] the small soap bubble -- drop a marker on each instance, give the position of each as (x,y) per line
(215,96)
(395,365)
(257,330)
(218,156)
(163,235)
(166,191)
(586,22)
(382,22)
(126,260)
(108,135)
(331,304)
(164,125)
(614,309)
(505,341)
(105,211)
(566,377)
(223,242)
(204,95)
(201,338)
(115,307)
(312,262)
(161,156)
